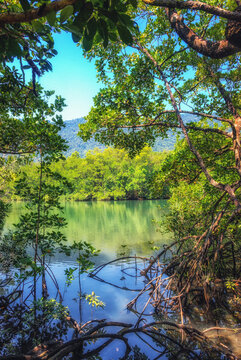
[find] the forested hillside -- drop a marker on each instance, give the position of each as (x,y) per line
(75,143)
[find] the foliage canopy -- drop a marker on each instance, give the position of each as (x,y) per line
(148,90)
(184,59)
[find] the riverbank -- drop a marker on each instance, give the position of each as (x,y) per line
(108,174)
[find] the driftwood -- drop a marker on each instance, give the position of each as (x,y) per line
(162,293)
(153,331)
(159,335)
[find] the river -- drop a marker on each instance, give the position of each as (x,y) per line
(120,230)
(110,226)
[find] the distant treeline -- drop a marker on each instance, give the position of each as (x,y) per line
(108,174)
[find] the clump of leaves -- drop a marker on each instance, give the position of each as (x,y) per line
(94,300)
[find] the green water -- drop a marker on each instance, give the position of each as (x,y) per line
(115,228)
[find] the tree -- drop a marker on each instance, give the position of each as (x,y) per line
(89,21)
(27,31)
(102,175)
(27,27)
(228,44)
(145,96)
(27,45)
(148,91)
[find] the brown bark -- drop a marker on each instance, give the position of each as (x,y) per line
(230,190)
(170,125)
(236,123)
(196,5)
(219,49)
(36,13)
(216,50)
(233,31)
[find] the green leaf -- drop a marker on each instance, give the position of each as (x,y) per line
(121,7)
(13,48)
(84,14)
(97,38)
(112,15)
(74,29)
(37,26)
(76,38)
(112,4)
(125,34)
(66,13)
(77,33)
(51,18)
(125,19)
(78,5)
(25,4)
(3,44)
(55,52)
(91,28)
(113,36)
(102,29)
(77,24)
(133,3)
(87,43)
(88,10)
(105,43)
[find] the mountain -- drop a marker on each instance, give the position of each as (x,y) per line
(69,133)
(75,143)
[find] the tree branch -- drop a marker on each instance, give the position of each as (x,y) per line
(236,125)
(225,95)
(170,125)
(194,113)
(207,116)
(196,5)
(218,185)
(216,50)
(36,13)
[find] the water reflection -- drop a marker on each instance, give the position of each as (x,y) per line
(118,229)
(115,228)
(40,330)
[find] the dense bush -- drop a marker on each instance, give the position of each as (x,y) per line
(108,174)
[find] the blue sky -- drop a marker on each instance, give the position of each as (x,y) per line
(73,77)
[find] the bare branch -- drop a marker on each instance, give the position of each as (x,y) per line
(196,5)
(218,185)
(208,116)
(174,54)
(215,50)
(36,13)
(170,125)
(225,95)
